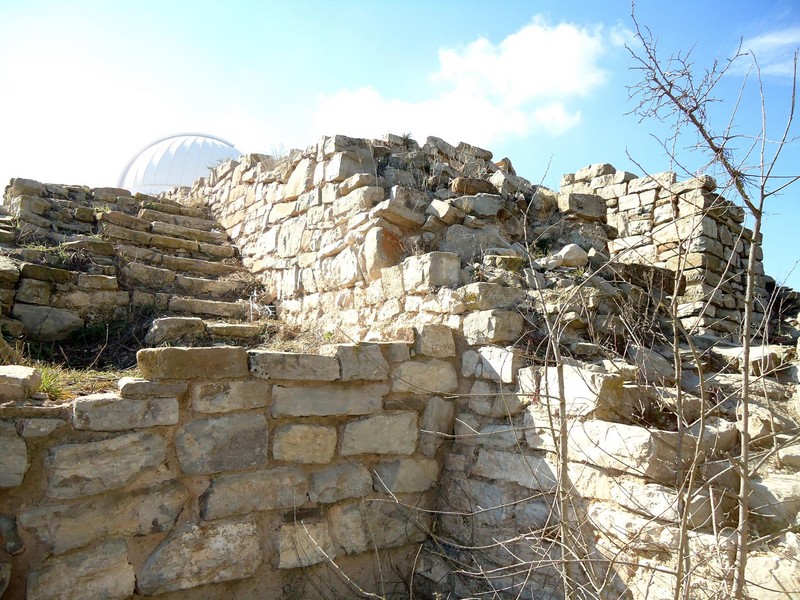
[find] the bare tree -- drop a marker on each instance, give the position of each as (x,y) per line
(672,89)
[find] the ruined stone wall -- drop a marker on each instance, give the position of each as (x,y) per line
(252,472)
(327,230)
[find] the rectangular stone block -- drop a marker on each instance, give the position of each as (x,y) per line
(110,412)
(294,366)
(395,433)
(85,469)
(219,397)
(219,362)
(348,528)
(233,441)
(241,493)
(406,475)
(437,425)
(328,400)
(138,388)
(304,543)
(585,206)
(492,326)
(433,376)
(304,443)
(362,362)
(528,471)
(196,555)
(390,525)
(13,457)
(138,512)
(350,480)
(435,269)
(100,572)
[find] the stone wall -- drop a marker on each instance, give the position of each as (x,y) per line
(229,468)
(328,230)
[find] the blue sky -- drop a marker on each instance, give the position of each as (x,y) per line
(86,84)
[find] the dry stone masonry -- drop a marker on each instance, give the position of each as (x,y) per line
(425,453)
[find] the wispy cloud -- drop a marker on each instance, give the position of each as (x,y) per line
(775,50)
(531,81)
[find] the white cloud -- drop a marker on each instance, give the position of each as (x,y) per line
(528,82)
(774,51)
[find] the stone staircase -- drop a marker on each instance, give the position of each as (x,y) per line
(173,261)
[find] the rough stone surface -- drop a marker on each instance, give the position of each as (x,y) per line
(139,512)
(100,572)
(138,388)
(382,249)
(241,493)
(46,323)
(528,471)
(34,427)
(362,362)
(381,434)
(487,296)
(195,555)
(433,376)
(109,412)
(328,400)
(390,525)
(303,544)
(186,363)
(773,577)
(297,442)
(94,467)
(13,458)
(218,397)
(585,206)
(348,528)
(233,441)
(290,365)
(573,255)
(337,483)
(406,475)
(436,341)
(437,425)
(492,326)
(175,329)
(18,382)
(431,270)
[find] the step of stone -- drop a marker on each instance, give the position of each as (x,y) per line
(235,331)
(165,242)
(214,308)
(189,233)
(173,208)
(214,288)
(178,264)
(152,216)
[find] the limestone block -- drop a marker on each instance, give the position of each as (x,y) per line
(232,441)
(109,412)
(435,341)
(85,469)
(483,205)
(218,397)
(362,362)
(100,572)
(586,392)
(304,543)
(136,387)
(773,577)
(397,213)
(774,501)
(539,433)
(500,364)
(328,400)
(9,271)
(382,249)
(405,475)
(637,533)
(195,555)
(492,326)
(469,186)
(348,528)
(528,471)
(219,362)
(302,443)
(445,211)
(43,273)
(35,427)
(431,270)
(18,382)
(433,376)
(592,171)
(350,480)
(359,200)
(134,512)
(14,456)
(573,255)
(437,425)
(653,368)
(390,524)
(45,323)
(392,281)
(300,180)
(25,187)
(487,296)
(356,181)
(344,165)
(242,493)
(338,271)
(175,329)
(652,182)
(394,433)
(33,291)
(584,206)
